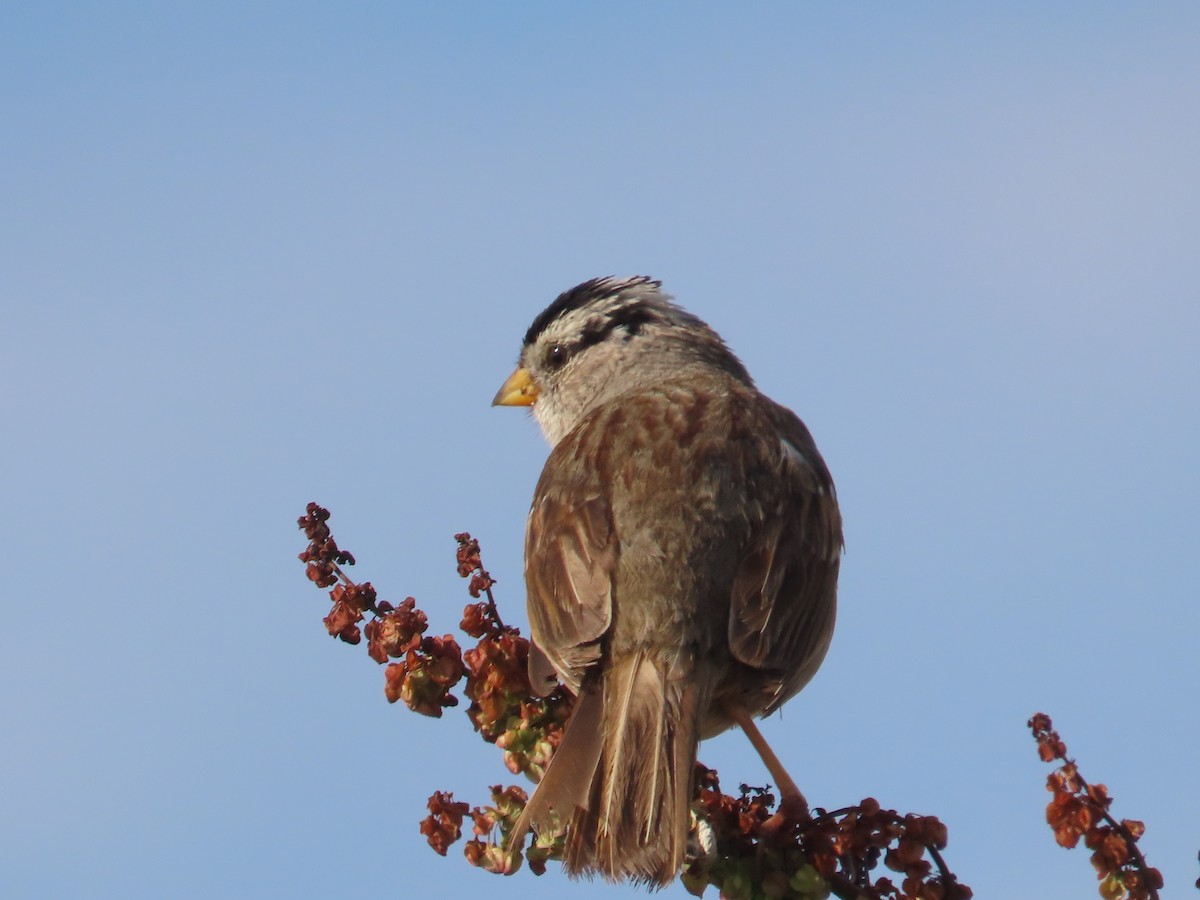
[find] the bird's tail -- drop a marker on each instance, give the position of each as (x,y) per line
(622,776)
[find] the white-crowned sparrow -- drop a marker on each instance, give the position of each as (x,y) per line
(681,563)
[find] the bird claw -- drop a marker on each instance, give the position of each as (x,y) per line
(780,828)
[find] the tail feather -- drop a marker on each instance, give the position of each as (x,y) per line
(621,780)
(566,784)
(635,825)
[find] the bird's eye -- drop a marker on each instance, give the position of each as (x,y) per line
(556,356)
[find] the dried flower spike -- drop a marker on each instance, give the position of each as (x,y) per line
(1080,811)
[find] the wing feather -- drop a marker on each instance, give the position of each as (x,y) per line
(784,591)
(571,558)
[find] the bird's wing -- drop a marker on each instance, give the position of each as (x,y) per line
(784,590)
(571,559)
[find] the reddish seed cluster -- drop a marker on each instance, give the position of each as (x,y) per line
(484,850)
(502,708)
(471,566)
(350,601)
(427,668)
(322,554)
(396,632)
(426,675)
(762,850)
(1079,810)
(443,826)
(752,849)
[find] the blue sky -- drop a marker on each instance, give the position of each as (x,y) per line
(253,255)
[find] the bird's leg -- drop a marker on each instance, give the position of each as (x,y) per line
(792,805)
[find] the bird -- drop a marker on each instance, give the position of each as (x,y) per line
(681,561)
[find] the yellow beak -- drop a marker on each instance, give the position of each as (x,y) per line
(519,390)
